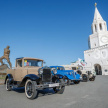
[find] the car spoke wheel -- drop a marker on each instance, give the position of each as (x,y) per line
(30,89)
(8,86)
(68,82)
(59,89)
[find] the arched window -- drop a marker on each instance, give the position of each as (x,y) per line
(100,25)
(95,28)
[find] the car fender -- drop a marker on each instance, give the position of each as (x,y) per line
(60,76)
(57,76)
(78,76)
(70,77)
(10,77)
(32,77)
(66,77)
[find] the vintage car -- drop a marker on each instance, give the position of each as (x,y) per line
(68,75)
(91,75)
(28,73)
(86,74)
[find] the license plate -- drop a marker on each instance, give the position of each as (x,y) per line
(54,85)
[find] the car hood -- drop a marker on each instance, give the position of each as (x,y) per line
(65,71)
(69,73)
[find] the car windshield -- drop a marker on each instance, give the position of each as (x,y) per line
(80,68)
(60,68)
(33,63)
(74,68)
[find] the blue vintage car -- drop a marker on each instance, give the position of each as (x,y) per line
(68,75)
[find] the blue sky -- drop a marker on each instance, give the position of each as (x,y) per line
(54,30)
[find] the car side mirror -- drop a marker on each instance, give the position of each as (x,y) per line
(44,62)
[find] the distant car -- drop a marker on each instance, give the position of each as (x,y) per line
(68,75)
(87,75)
(28,73)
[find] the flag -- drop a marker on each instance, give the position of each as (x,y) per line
(81,62)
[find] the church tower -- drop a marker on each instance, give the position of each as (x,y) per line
(96,56)
(99,35)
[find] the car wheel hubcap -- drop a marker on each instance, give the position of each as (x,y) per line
(29,89)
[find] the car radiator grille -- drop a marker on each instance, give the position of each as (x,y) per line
(47,76)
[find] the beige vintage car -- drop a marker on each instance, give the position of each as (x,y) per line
(29,73)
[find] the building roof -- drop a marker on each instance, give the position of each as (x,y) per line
(56,66)
(29,58)
(97,15)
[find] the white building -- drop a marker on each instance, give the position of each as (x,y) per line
(97,55)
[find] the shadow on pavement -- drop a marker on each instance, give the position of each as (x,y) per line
(44,92)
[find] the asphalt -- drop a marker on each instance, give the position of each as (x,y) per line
(84,95)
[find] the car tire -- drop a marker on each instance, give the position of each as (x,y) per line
(76,82)
(8,86)
(84,78)
(92,79)
(68,82)
(30,89)
(61,88)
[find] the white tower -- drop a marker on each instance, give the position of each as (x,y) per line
(97,56)
(99,35)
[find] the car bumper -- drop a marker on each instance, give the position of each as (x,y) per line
(49,85)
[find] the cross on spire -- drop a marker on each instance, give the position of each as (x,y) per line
(95,4)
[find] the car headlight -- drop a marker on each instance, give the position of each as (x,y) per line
(76,72)
(40,71)
(70,73)
(80,77)
(54,71)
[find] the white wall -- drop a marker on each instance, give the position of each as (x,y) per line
(94,40)
(97,56)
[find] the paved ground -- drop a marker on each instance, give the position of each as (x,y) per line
(85,95)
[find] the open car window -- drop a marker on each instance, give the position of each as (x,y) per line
(74,68)
(19,63)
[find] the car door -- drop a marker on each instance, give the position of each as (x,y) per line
(18,74)
(18,70)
